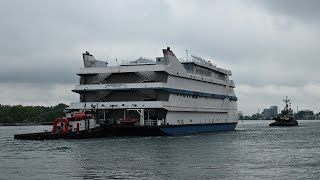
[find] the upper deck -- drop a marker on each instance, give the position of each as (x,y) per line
(193,67)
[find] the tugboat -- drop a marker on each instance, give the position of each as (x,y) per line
(286,117)
(75,125)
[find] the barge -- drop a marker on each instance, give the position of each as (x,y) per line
(145,97)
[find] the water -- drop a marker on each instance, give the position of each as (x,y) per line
(253,151)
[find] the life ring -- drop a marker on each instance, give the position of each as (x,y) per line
(62,120)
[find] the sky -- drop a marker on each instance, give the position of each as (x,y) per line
(272,47)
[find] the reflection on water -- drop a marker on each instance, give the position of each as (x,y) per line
(254,151)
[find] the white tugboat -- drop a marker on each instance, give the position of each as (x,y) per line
(286,117)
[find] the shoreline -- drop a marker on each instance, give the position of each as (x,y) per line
(26,124)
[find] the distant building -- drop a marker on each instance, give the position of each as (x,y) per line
(273,111)
(305,114)
(266,113)
(270,113)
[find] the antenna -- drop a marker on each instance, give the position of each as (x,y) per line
(286,101)
(117,65)
(187,54)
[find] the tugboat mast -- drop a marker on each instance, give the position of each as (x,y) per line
(286,101)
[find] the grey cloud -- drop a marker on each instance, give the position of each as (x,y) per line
(46,75)
(303,10)
(36,94)
(260,41)
(37,68)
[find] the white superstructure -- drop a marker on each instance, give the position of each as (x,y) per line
(165,91)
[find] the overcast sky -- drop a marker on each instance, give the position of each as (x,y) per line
(272,46)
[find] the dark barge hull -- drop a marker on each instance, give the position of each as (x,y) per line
(121,130)
(93,133)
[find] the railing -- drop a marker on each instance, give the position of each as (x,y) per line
(154,122)
(147,122)
(197,60)
(141,60)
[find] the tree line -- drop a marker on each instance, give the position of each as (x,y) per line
(300,115)
(30,114)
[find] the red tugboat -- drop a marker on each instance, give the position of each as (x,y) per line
(74,126)
(286,117)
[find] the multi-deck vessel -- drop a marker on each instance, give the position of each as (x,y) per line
(164,96)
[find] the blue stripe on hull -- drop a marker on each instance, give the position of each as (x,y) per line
(192,129)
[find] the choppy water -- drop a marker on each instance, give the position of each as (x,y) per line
(253,151)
